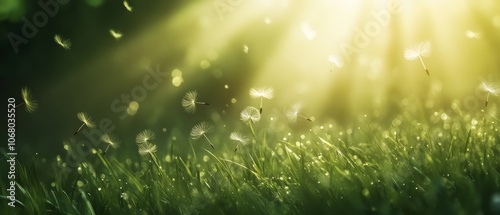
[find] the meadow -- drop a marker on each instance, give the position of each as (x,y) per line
(442,162)
(381,127)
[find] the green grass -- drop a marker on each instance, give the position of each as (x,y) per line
(443,164)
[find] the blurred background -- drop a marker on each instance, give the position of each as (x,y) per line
(340,59)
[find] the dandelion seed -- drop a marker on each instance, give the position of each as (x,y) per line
(110,140)
(147,148)
(250,114)
(238,137)
(145,136)
(245,49)
(422,49)
(262,92)
(200,130)
(294,111)
(127,6)
(189,102)
(490,88)
(336,61)
(65,43)
(87,121)
(116,34)
(29,102)
(308,31)
(472,34)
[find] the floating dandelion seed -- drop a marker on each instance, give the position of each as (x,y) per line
(200,130)
(490,88)
(86,121)
(145,136)
(189,102)
(250,115)
(29,102)
(147,148)
(245,49)
(129,8)
(294,111)
(66,44)
(240,138)
(422,49)
(472,34)
(308,31)
(336,61)
(111,141)
(116,34)
(262,92)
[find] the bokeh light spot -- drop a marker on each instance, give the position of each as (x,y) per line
(204,64)
(177,81)
(133,106)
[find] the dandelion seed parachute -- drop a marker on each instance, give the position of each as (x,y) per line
(200,130)
(240,138)
(127,6)
(490,88)
(294,111)
(262,92)
(29,102)
(66,44)
(111,141)
(145,136)
(422,49)
(86,120)
(116,34)
(147,148)
(250,114)
(189,102)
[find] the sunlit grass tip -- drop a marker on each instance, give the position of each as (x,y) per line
(240,138)
(189,102)
(111,140)
(145,136)
(422,49)
(293,112)
(262,92)
(86,121)
(490,88)
(65,43)
(201,129)
(28,101)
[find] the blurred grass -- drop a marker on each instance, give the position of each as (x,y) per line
(442,164)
